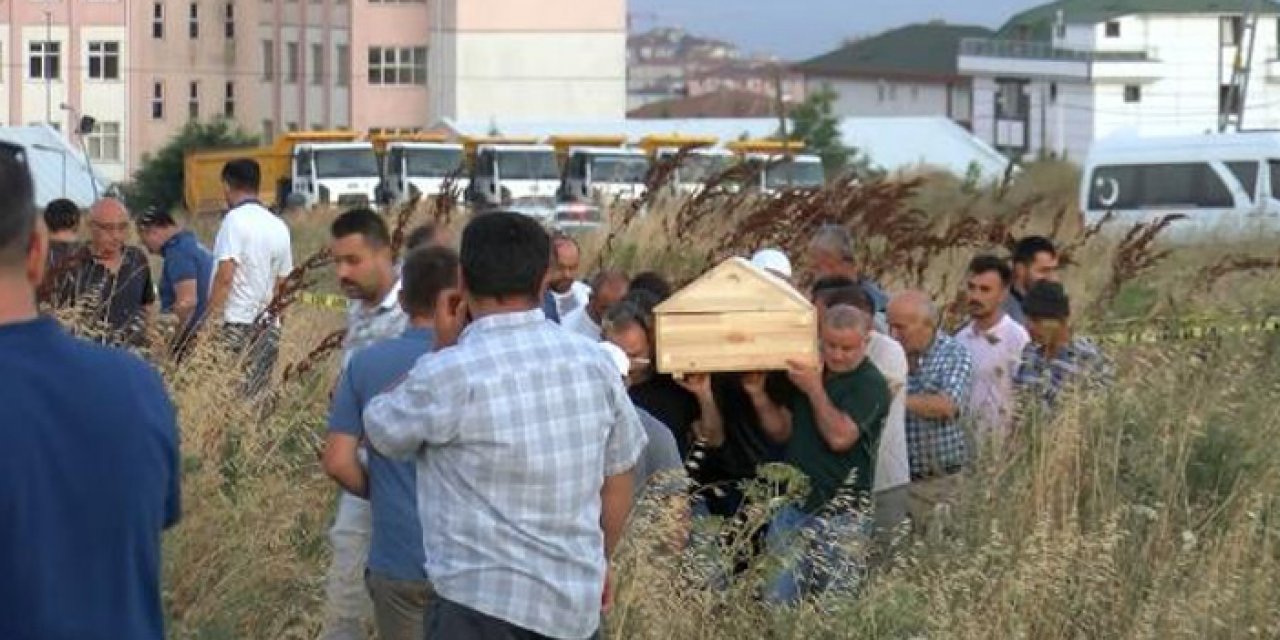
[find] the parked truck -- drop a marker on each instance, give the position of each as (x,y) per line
(516,174)
(780,165)
(701,163)
(415,165)
(299,169)
(599,169)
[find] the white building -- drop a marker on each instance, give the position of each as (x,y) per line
(908,71)
(1060,76)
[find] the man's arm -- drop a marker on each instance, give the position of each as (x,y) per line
(838,429)
(615,507)
(932,406)
(774,420)
(185,299)
(223,276)
(342,463)
(424,407)
(951,390)
(710,426)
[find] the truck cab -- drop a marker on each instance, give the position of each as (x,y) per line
(419,168)
(780,165)
(514,174)
(599,170)
(332,173)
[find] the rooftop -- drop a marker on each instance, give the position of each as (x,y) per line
(918,50)
(717,104)
(1037,23)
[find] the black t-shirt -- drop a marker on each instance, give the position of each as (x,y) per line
(672,405)
(746,446)
(116,300)
(60,272)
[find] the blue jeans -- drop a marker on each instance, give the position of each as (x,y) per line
(819,553)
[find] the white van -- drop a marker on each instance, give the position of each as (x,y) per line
(1226,184)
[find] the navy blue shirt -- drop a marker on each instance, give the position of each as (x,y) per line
(395,550)
(186,259)
(88,480)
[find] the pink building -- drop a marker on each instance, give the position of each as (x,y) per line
(142,69)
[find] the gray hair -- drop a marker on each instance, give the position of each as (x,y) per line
(843,316)
(922,303)
(833,239)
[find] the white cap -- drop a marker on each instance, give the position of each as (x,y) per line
(618,357)
(773,261)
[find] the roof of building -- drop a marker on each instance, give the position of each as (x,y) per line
(893,144)
(717,104)
(918,50)
(1037,23)
(58,169)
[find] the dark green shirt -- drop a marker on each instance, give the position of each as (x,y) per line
(863,395)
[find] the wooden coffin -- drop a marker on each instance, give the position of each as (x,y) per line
(735,318)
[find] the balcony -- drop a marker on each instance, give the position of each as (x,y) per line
(1027,58)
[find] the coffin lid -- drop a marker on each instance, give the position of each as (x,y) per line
(735,285)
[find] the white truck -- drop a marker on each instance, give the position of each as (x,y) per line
(420,168)
(333,173)
(780,165)
(512,174)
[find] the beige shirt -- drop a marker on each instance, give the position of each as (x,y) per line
(892,467)
(996,354)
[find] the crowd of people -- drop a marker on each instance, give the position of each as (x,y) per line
(496,416)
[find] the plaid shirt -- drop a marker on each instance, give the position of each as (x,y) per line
(514,430)
(367,325)
(937,447)
(1045,379)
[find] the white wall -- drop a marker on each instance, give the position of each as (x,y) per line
(863,97)
(340,97)
(107,100)
(290,104)
(506,75)
(9,72)
(33,91)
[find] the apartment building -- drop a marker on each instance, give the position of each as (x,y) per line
(144,68)
(1058,77)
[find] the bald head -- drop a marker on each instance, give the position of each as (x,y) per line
(108,227)
(565,260)
(913,320)
(607,288)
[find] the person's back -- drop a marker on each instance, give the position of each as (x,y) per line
(259,242)
(88,479)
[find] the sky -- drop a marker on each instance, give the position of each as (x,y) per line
(799,29)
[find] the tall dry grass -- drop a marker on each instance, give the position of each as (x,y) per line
(1147,511)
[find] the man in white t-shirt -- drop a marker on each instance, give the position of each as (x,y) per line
(995,341)
(893,472)
(565,289)
(253,256)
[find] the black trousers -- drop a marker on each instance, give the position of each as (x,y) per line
(448,620)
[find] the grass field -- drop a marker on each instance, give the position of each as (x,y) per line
(1151,511)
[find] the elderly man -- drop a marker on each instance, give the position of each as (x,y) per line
(832,431)
(831,254)
(525,441)
(114,278)
(396,579)
(185,277)
(361,248)
(995,341)
(1035,258)
(938,382)
(89,470)
(1055,361)
(607,288)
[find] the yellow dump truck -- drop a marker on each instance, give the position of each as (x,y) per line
(298,169)
(782,164)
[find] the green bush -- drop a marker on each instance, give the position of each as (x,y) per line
(158,181)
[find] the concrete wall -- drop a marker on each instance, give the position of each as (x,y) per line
(869,97)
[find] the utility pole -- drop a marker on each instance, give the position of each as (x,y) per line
(781,103)
(48,73)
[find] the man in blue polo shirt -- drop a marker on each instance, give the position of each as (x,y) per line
(188,268)
(89,466)
(396,577)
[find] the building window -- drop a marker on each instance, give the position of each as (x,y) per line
(193,101)
(915,93)
(268,130)
(45,60)
(1053,93)
(291,62)
(1132,93)
(104,60)
(882,90)
(317,126)
(193,21)
(1060,30)
(103,144)
(268,60)
(317,64)
(1113,28)
(157,20)
(229,101)
(230,24)
(292,126)
(344,66)
(1232,28)
(398,65)
(157,100)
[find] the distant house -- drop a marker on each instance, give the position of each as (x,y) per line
(1058,77)
(720,104)
(909,71)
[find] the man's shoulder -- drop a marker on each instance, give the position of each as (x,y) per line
(950,348)
(110,365)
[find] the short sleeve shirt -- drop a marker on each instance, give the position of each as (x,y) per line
(258,242)
(863,395)
(939,446)
(185,259)
(89,477)
(996,354)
